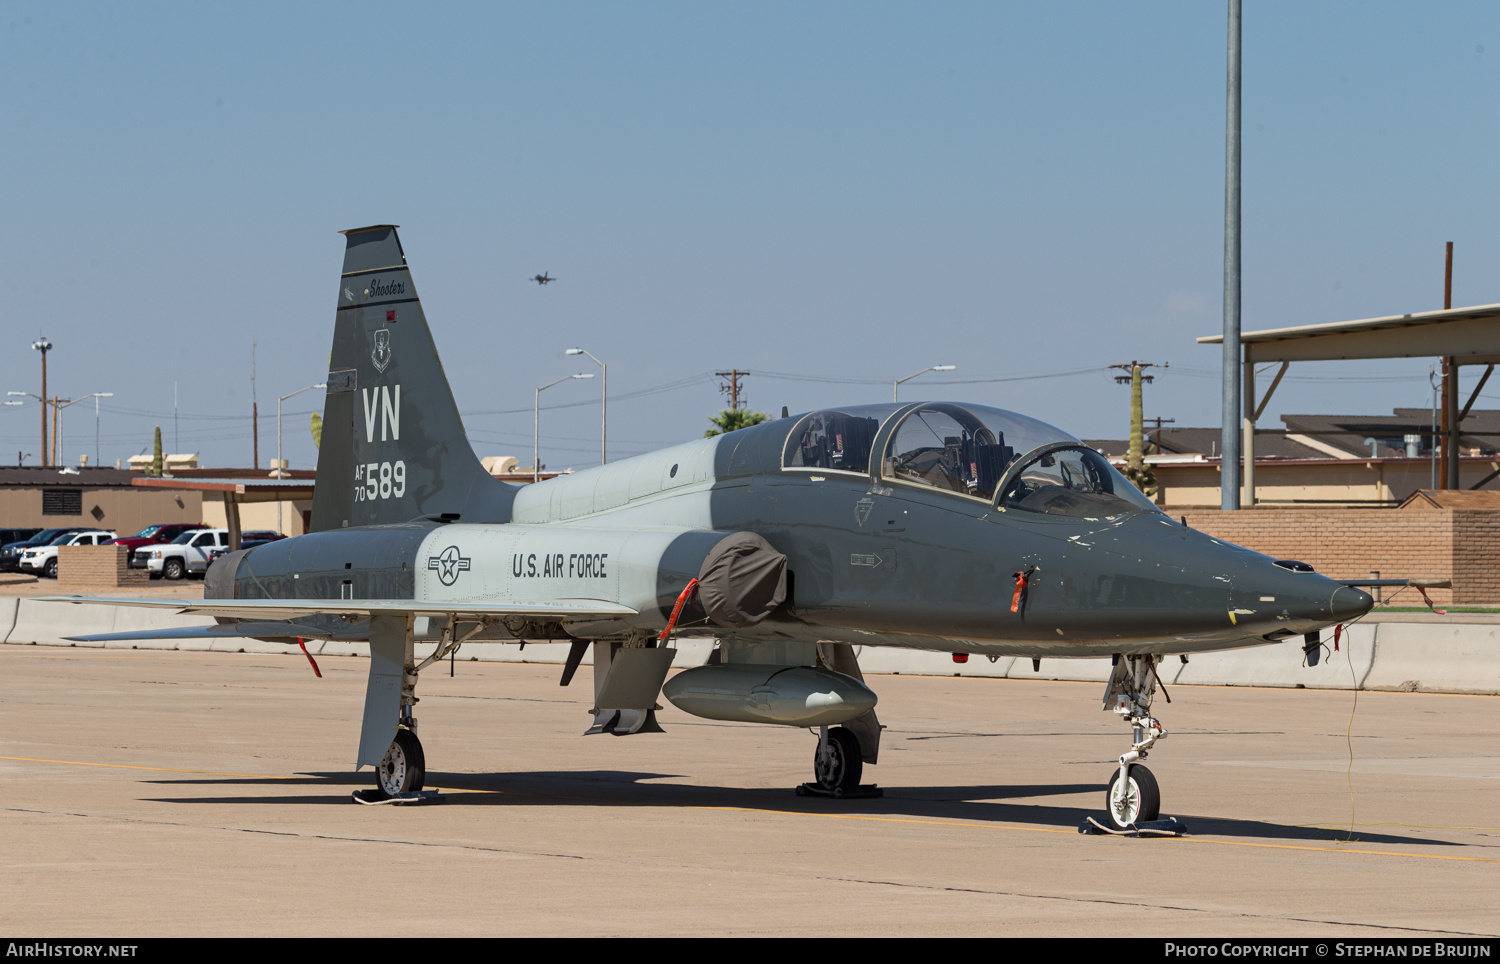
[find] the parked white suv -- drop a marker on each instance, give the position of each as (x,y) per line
(190,552)
(42,560)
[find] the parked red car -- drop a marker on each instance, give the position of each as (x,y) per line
(153,535)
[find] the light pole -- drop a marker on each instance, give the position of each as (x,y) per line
(43,400)
(62,403)
(42,345)
(603,398)
(280,465)
(536,421)
(896,386)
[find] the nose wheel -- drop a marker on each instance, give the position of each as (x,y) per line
(1133,800)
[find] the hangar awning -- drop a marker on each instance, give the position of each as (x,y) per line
(234,491)
(1469,334)
(1464,336)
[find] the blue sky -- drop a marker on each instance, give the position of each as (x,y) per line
(843,193)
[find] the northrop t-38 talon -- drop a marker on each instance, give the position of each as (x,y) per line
(936,525)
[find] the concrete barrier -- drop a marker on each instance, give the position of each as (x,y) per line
(1453,658)
(1283,664)
(913,662)
(8,606)
(1457,654)
(48,623)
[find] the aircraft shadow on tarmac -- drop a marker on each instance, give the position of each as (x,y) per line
(626,788)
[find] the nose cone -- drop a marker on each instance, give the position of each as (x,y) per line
(1350,603)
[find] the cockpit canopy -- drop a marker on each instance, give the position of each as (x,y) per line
(968,450)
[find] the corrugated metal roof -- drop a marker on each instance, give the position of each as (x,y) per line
(37,475)
(1411,319)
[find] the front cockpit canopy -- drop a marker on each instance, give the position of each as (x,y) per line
(969,450)
(1072,481)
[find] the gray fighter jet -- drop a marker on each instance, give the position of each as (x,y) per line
(937,526)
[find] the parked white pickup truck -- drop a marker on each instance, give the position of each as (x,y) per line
(190,552)
(42,560)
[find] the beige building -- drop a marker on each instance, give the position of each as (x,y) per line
(104,498)
(1185,481)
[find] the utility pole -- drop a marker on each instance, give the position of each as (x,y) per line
(733,388)
(55,416)
(1135,461)
(1229,463)
(1159,423)
(43,345)
(1448,453)
(254,416)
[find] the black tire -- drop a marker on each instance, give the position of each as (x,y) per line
(1140,804)
(845,762)
(404,768)
(171,569)
(51,569)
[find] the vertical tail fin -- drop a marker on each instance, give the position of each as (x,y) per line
(393,445)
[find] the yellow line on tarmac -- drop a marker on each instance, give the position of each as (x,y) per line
(828,816)
(127,766)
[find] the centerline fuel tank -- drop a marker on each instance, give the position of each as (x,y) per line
(751,693)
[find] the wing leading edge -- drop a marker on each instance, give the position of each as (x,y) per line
(293,608)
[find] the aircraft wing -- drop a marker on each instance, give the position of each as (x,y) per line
(269,609)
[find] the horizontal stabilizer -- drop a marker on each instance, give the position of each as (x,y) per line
(265,609)
(213,631)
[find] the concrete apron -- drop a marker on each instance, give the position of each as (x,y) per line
(1450,656)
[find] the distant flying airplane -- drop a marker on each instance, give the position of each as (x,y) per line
(542,278)
(938,526)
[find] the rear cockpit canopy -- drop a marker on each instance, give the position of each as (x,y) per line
(969,450)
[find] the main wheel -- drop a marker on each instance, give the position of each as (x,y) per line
(844,766)
(51,569)
(172,569)
(404,768)
(1136,801)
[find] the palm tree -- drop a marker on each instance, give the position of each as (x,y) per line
(732,420)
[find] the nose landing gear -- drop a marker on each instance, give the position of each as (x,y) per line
(1133,797)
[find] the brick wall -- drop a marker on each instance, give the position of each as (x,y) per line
(97,567)
(1420,543)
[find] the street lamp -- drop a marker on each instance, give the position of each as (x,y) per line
(280,465)
(896,385)
(65,402)
(603,398)
(42,345)
(536,419)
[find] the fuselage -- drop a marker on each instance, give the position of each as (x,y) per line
(874,557)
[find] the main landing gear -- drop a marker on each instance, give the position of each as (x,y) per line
(402,770)
(1133,797)
(838,763)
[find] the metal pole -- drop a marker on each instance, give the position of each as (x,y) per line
(44,406)
(1433,439)
(536,438)
(1249,432)
(96,431)
(278,462)
(1229,478)
(1449,386)
(603,411)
